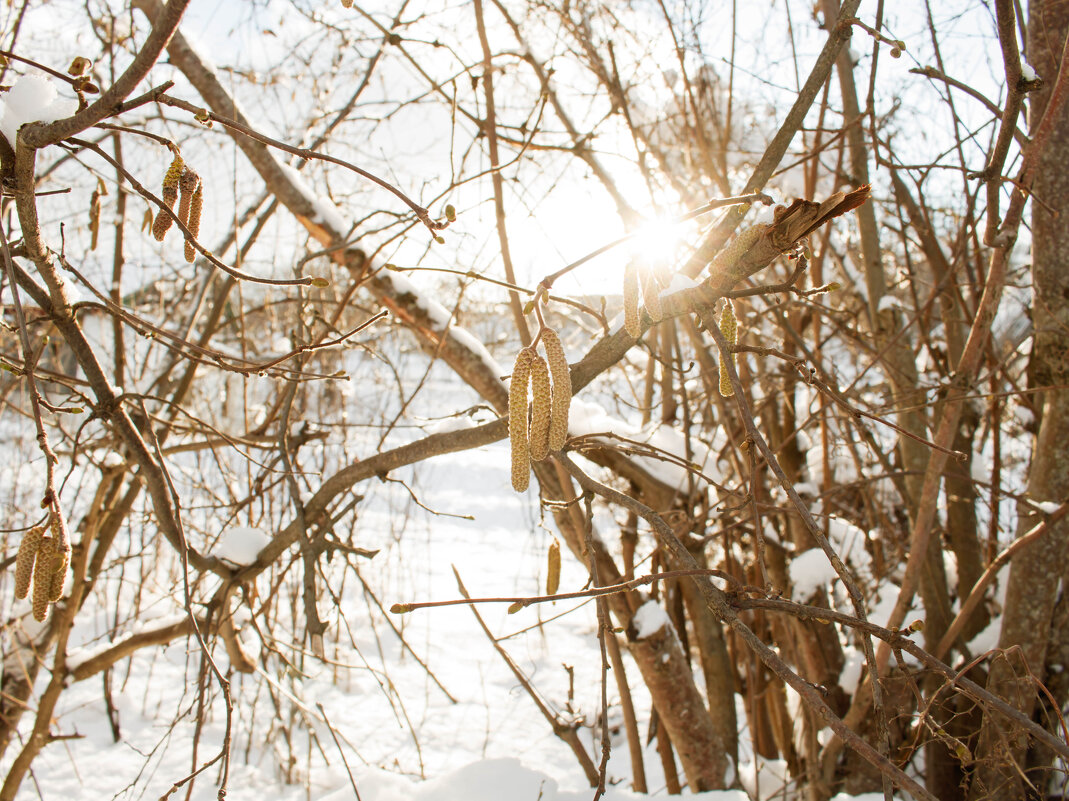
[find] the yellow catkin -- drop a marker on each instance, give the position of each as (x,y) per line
(61,557)
(170,195)
(42,578)
(195,207)
(521,454)
(31,540)
(631,318)
(743,241)
(57,526)
(562,389)
(540,409)
(61,562)
(651,295)
(729,327)
(188,185)
(553,569)
(94,219)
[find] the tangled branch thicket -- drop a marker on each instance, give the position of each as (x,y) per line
(811,457)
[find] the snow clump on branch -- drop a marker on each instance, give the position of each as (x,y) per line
(32,99)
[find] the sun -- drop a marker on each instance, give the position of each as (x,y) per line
(655,244)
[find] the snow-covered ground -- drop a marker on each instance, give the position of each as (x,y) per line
(395,726)
(438,715)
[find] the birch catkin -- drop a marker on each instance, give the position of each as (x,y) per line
(31,541)
(170,195)
(631,319)
(61,562)
(540,409)
(188,185)
(562,389)
(521,454)
(651,294)
(553,569)
(61,557)
(42,578)
(729,327)
(195,206)
(742,243)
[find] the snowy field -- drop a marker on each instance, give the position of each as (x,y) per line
(457,726)
(422,706)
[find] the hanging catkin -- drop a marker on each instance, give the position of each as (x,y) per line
(195,206)
(42,578)
(61,556)
(553,569)
(61,562)
(521,454)
(540,409)
(562,389)
(651,294)
(170,195)
(631,318)
(729,327)
(187,184)
(27,554)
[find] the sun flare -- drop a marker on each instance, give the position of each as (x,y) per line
(655,244)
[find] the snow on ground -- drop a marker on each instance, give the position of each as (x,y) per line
(399,733)
(493,780)
(395,725)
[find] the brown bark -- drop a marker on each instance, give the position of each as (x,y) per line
(721,607)
(815,648)
(899,360)
(1038,568)
(961,494)
(660,657)
(715,663)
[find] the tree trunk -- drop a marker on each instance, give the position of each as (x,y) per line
(1036,570)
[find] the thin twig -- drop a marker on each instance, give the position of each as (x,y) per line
(522,601)
(565,730)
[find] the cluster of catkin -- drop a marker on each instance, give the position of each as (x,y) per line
(43,558)
(550,382)
(181,180)
(647,278)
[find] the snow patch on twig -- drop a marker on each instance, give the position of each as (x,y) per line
(32,99)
